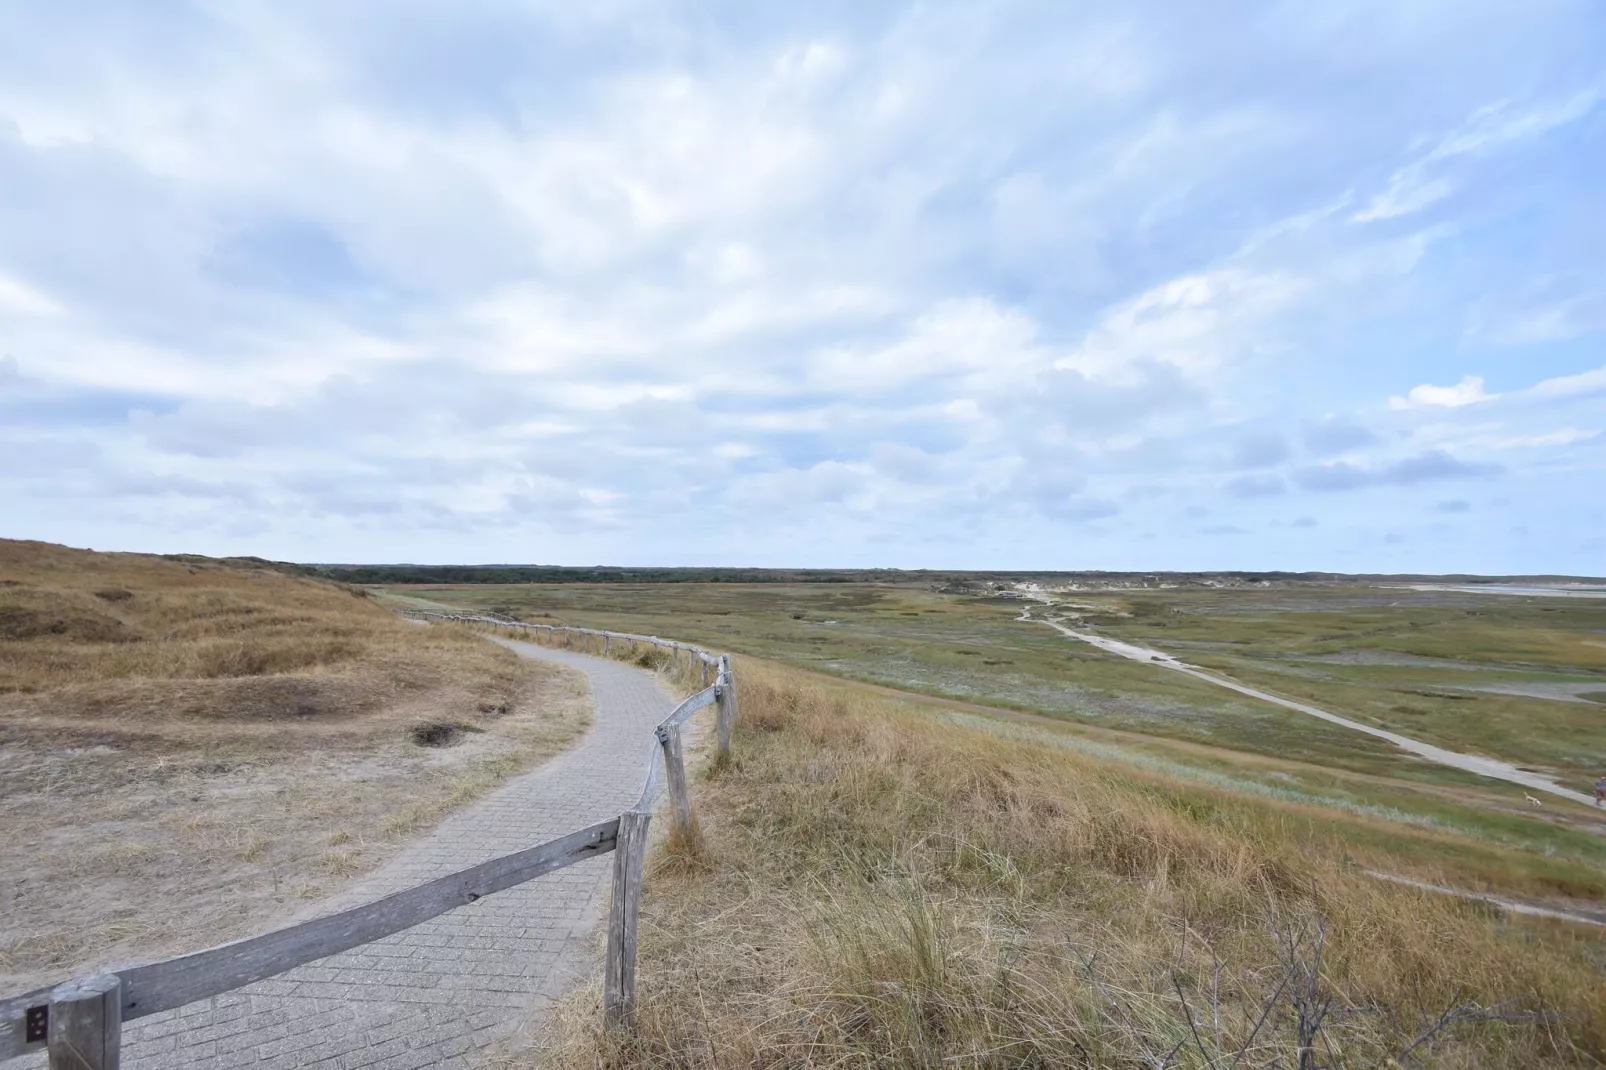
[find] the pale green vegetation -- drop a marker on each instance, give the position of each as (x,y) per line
(1506,676)
(975,653)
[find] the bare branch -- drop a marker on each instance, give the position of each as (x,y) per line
(1192,1028)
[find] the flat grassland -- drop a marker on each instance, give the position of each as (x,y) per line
(886,880)
(190,750)
(1421,663)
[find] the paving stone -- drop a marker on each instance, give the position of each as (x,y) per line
(437,993)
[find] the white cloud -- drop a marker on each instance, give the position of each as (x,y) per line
(983,345)
(19,299)
(1565,436)
(1418,184)
(934,272)
(1195,323)
(1409,190)
(1566,386)
(1469,391)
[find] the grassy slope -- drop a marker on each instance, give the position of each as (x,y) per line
(881,885)
(973,648)
(188,739)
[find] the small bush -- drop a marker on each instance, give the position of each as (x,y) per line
(436,734)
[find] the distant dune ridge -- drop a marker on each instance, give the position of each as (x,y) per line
(223,742)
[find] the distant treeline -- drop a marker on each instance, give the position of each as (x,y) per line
(382,574)
(460,574)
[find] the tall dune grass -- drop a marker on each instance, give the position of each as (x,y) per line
(139,643)
(880,889)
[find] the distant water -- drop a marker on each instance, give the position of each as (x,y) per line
(1558,591)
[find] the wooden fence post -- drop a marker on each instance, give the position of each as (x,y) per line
(675,767)
(607,645)
(725,716)
(619,975)
(729,671)
(86,1024)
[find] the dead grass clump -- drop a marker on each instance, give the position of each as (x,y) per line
(651,658)
(436,734)
(23,622)
(880,889)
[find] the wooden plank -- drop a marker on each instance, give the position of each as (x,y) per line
(655,765)
(13,1016)
(160,986)
(624,911)
(86,1024)
(675,774)
(682,713)
(653,780)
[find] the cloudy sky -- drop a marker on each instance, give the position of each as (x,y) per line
(1104,285)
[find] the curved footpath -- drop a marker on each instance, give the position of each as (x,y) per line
(433,995)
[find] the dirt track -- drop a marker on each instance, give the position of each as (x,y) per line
(1471,763)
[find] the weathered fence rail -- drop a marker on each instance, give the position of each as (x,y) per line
(80,1021)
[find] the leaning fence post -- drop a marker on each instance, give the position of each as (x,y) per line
(725,713)
(86,1024)
(675,767)
(619,976)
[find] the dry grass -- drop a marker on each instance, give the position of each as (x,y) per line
(680,672)
(225,745)
(880,889)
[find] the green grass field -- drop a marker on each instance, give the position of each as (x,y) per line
(1514,678)
(1408,660)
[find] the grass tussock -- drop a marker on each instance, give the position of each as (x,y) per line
(875,888)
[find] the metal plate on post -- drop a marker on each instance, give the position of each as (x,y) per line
(36,1024)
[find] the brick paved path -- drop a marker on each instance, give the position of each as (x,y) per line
(434,994)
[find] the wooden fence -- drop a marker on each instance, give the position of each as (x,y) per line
(80,1021)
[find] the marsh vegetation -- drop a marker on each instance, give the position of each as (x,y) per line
(982,665)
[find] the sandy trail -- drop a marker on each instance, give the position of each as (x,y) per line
(1471,763)
(1512,905)
(443,992)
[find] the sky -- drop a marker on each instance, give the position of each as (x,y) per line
(1137,285)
